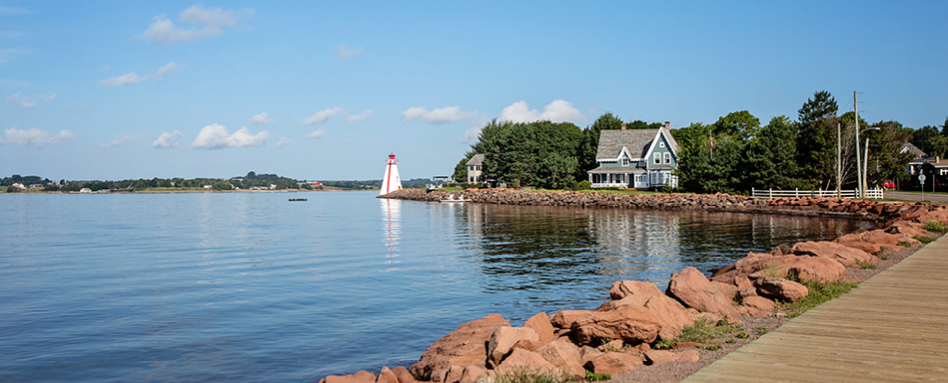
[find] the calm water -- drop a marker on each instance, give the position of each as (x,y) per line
(251,287)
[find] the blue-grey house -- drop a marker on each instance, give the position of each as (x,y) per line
(637,158)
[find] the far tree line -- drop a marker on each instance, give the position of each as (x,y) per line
(783,154)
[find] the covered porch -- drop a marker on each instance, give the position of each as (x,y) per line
(618,177)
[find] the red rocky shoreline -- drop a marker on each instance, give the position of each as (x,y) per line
(623,332)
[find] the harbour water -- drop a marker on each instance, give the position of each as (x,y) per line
(251,287)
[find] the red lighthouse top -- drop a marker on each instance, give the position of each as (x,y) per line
(391,159)
(391,156)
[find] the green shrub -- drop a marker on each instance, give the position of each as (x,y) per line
(925,240)
(582,185)
(865,265)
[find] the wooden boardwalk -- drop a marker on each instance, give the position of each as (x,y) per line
(892,328)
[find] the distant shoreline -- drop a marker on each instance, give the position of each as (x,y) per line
(189,191)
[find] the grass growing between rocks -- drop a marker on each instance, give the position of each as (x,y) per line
(820,292)
(593,377)
(925,240)
(703,332)
(935,226)
(523,375)
(865,265)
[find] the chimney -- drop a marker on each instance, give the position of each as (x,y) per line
(623,126)
(668,126)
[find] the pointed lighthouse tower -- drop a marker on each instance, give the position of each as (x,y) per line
(391,182)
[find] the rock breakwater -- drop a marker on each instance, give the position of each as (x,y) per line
(624,333)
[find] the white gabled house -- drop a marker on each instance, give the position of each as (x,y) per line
(637,158)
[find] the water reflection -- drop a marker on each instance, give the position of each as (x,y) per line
(392,227)
(533,249)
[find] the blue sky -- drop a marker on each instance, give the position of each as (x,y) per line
(325,90)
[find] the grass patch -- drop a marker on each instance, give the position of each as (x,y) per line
(819,292)
(761,330)
(730,341)
(924,240)
(935,226)
(703,332)
(523,375)
(712,347)
(743,335)
(865,265)
(592,377)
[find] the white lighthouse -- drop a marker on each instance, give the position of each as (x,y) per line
(391,182)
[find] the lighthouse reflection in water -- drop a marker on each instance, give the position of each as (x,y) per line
(392,227)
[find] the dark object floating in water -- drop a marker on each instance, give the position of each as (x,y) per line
(297,199)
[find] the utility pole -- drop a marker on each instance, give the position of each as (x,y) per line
(839,156)
(858,160)
(865,167)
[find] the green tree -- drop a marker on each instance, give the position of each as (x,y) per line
(740,124)
(885,158)
(816,139)
(591,135)
(771,158)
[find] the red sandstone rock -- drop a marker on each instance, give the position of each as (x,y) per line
(845,255)
(503,338)
(541,324)
(588,354)
(880,237)
(565,318)
(523,359)
(816,269)
(364,375)
(345,379)
(564,356)
(613,362)
(782,289)
(622,289)
(403,375)
(528,345)
(871,248)
(695,290)
(630,323)
(684,345)
(386,376)
(759,303)
(657,357)
(688,356)
(728,289)
(466,374)
(464,346)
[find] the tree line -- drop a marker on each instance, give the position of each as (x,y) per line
(783,154)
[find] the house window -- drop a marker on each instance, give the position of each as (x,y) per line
(625,162)
(661,144)
(668,158)
(658,158)
(471,168)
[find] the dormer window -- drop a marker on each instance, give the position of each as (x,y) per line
(625,162)
(661,144)
(657,157)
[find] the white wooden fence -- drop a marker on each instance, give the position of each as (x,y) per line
(771,193)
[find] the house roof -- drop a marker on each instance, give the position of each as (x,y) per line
(619,170)
(636,140)
(478,159)
(912,149)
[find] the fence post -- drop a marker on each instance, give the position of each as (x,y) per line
(796,192)
(771,193)
(752,192)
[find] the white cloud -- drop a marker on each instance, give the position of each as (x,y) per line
(283,141)
(317,134)
(132,78)
(262,119)
(556,111)
(216,136)
(36,138)
(48,98)
(365,115)
(167,140)
(471,135)
(119,140)
(322,116)
(25,104)
(125,79)
(7,54)
(345,53)
(5,10)
(210,23)
(170,67)
(438,115)
(14,96)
